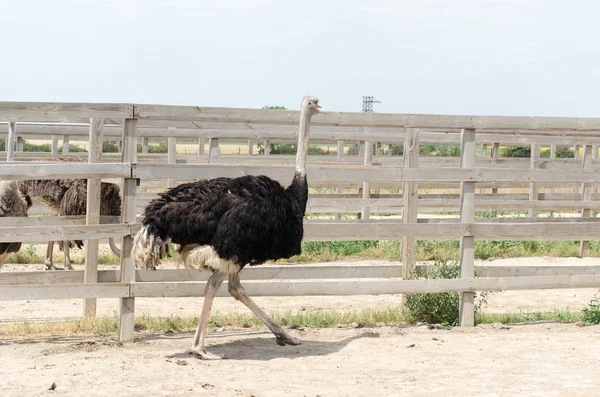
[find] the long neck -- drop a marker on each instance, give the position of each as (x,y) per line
(305,116)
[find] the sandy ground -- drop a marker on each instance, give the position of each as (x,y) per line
(547,359)
(492,360)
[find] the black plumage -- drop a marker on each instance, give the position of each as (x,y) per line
(247,220)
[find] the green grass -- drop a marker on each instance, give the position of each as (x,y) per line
(427,250)
(146,324)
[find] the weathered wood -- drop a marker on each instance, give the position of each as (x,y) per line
(369,287)
(63,291)
(410,193)
(92,212)
(10,141)
(65,144)
(201,146)
(145,145)
(127,266)
(533,186)
(213,150)
(296,272)
(63,171)
(42,234)
(362,119)
(366,187)
(586,195)
(172,158)
(54,149)
(467,243)
(41,111)
(351,173)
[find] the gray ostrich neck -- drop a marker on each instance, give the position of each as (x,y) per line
(302,142)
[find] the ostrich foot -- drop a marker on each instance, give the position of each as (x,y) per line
(50,266)
(284,339)
(204,354)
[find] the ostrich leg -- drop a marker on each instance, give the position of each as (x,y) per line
(212,286)
(48,260)
(67,256)
(238,292)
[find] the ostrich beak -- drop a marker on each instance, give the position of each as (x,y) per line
(318,107)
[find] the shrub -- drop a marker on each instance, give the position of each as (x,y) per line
(110,147)
(591,313)
(440,308)
(516,151)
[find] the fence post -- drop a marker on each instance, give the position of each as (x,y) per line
(410,195)
(495,156)
(54,145)
(340,155)
(467,216)
(250,147)
(20,144)
(10,141)
(92,214)
(201,146)
(65,144)
(366,186)
(484,148)
(213,150)
(127,305)
(586,195)
(390,149)
(171,157)
(145,145)
(267,147)
(533,186)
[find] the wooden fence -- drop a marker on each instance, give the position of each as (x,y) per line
(339,184)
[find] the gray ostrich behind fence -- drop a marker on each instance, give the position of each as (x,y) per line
(68,197)
(12,204)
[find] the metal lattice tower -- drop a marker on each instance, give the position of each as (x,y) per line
(368,102)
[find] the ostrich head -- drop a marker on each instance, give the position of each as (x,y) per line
(311,104)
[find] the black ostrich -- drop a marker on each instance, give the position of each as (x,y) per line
(223,224)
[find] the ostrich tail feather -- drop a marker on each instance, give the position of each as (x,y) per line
(148,249)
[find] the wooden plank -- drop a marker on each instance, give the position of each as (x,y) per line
(235,115)
(63,170)
(410,194)
(42,234)
(533,186)
(586,195)
(92,216)
(40,111)
(172,157)
(6,222)
(10,141)
(366,187)
(296,272)
(127,265)
(63,291)
(351,173)
(65,144)
(369,287)
(54,149)
(467,243)
(213,150)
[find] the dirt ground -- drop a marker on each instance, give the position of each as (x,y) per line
(547,359)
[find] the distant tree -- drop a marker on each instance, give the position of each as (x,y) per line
(275,107)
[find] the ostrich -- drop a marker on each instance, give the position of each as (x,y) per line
(14,204)
(69,197)
(223,224)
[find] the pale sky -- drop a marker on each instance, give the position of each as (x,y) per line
(502,57)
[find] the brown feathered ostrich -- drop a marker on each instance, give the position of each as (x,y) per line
(12,204)
(224,224)
(68,197)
